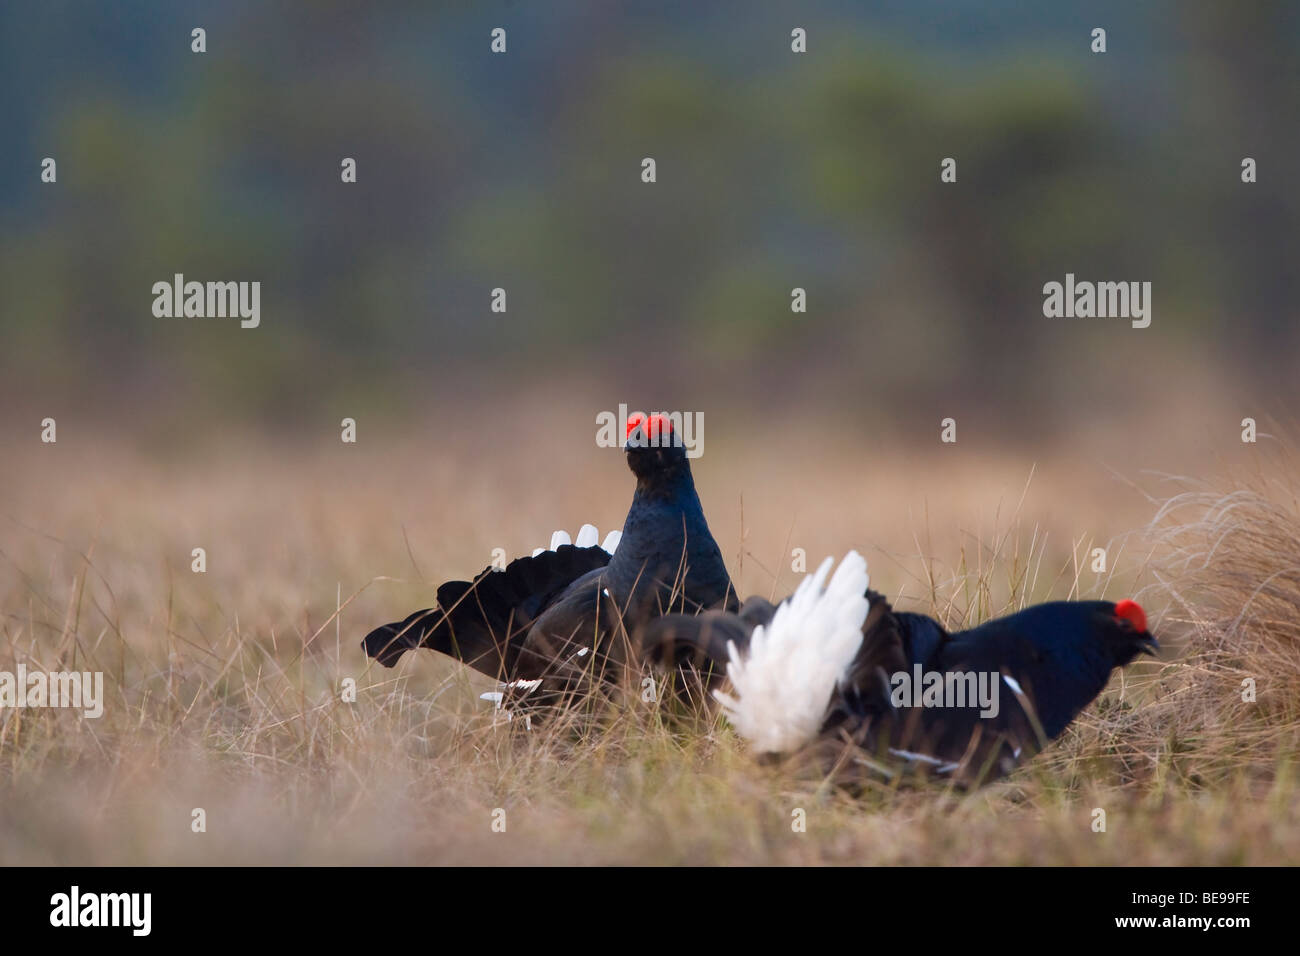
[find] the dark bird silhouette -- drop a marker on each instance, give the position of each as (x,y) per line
(835,671)
(548,623)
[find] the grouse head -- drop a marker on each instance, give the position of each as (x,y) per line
(1125,632)
(654,448)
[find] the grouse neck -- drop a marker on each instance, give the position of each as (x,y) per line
(665,526)
(671,482)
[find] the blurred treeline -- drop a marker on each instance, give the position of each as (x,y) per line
(522,171)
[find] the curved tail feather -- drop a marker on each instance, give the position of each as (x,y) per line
(482,622)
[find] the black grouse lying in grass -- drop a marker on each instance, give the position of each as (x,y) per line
(835,672)
(536,624)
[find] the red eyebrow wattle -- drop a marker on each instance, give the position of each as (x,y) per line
(659,425)
(1132,612)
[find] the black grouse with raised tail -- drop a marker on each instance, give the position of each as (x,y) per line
(836,666)
(548,623)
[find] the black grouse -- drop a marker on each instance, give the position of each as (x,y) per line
(535,624)
(835,671)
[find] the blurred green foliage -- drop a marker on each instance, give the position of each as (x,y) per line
(775,170)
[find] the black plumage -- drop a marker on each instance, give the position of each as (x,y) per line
(1047,663)
(562,616)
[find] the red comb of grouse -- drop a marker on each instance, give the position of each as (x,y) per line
(655,425)
(659,425)
(1132,612)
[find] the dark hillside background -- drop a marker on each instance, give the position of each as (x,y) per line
(522,171)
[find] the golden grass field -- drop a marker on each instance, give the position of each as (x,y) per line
(223,687)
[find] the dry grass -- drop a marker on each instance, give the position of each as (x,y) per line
(223,687)
(1230,563)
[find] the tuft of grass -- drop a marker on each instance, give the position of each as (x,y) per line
(1229,563)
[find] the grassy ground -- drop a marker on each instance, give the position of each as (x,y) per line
(223,687)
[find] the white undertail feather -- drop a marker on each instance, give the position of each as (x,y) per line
(784,682)
(497,697)
(587,538)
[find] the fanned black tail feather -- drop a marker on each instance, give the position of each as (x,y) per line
(388,643)
(482,622)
